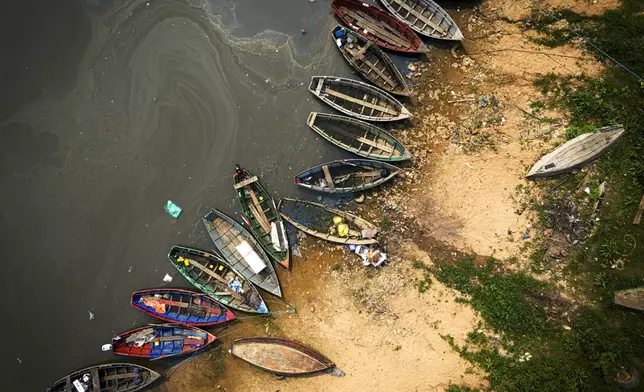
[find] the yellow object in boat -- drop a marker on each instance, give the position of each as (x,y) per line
(343,230)
(180,259)
(156,343)
(337,220)
(221,268)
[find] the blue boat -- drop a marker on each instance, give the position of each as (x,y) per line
(181,306)
(161,341)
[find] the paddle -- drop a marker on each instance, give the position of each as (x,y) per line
(214,275)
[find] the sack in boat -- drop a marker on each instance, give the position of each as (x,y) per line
(369,233)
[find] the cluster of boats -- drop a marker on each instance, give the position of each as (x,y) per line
(368,29)
(232,277)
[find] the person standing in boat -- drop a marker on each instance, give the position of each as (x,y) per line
(239,172)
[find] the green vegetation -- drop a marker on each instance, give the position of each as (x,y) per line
(502,299)
(537,350)
(460,388)
(424,284)
(546,342)
(386,224)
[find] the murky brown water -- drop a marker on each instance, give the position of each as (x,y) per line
(110,108)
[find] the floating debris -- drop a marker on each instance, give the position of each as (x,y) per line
(172,209)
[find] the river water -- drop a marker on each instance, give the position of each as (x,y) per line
(110,108)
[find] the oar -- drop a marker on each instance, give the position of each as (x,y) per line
(214,275)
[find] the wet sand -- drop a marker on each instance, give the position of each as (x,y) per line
(135,103)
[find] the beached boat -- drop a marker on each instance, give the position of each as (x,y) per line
(110,377)
(242,251)
(211,274)
(357,99)
(318,220)
(181,307)
(631,298)
(378,25)
(283,357)
(425,17)
(260,214)
(358,137)
(346,175)
(576,153)
(370,61)
(161,341)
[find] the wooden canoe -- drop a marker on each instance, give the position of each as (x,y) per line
(242,251)
(425,17)
(358,137)
(632,298)
(317,220)
(379,26)
(576,153)
(260,214)
(219,280)
(358,99)
(181,307)
(161,341)
(346,175)
(110,377)
(370,61)
(283,357)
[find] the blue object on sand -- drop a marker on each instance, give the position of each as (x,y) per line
(172,209)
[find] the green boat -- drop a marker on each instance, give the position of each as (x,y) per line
(242,251)
(358,137)
(261,216)
(211,274)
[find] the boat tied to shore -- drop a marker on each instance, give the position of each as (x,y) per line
(346,175)
(426,18)
(181,307)
(109,377)
(283,357)
(358,99)
(358,137)
(242,251)
(261,216)
(158,341)
(379,26)
(328,223)
(370,61)
(219,280)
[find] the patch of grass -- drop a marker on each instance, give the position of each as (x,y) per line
(460,388)
(424,284)
(417,264)
(534,352)
(386,224)
(574,131)
(501,299)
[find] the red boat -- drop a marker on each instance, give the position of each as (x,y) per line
(379,26)
(161,341)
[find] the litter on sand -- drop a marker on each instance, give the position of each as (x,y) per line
(172,209)
(167,278)
(369,256)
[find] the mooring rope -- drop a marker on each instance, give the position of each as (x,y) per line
(589,42)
